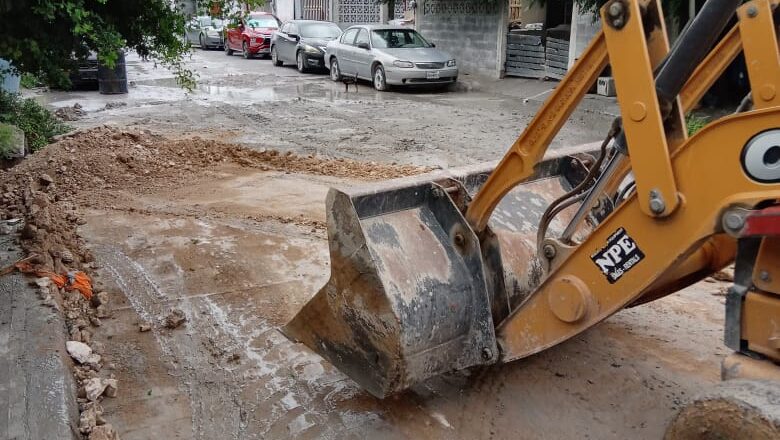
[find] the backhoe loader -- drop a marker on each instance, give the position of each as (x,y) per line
(461,268)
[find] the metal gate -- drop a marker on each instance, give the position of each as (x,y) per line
(515,10)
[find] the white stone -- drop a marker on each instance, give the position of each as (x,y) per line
(111,387)
(79,351)
(94,388)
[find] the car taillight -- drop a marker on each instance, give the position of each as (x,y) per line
(259,40)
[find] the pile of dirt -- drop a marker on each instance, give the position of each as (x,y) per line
(99,166)
(69,114)
(289,162)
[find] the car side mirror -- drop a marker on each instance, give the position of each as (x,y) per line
(294,36)
(433,45)
(364,46)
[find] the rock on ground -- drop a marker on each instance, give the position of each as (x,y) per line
(79,351)
(175,319)
(104,432)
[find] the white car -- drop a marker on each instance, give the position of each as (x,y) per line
(389,55)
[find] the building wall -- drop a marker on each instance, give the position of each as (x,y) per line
(584,26)
(348,13)
(473,32)
(285,10)
(534,13)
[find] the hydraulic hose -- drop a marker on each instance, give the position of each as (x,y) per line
(693,46)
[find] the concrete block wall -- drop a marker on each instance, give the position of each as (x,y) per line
(473,32)
(346,13)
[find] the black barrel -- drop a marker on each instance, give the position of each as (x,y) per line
(113,81)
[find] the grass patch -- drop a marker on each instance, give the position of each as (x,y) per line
(38,124)
(695,123)
(6,135)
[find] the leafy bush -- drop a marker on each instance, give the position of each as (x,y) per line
(38,124)
(31,81)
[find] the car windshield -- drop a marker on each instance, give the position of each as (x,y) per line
(213,22)
(397,38)
(262,21)
(327,31)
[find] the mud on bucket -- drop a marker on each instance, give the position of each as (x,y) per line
(407,298)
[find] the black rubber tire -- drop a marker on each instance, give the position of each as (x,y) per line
(228,50)
(245,51)
(299,62)
(379,78)
(335,72)
(275,57)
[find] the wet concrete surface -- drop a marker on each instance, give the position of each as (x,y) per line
(214,249)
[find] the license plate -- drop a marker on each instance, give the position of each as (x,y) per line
(432,75)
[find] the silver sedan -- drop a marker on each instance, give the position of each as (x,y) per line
(204,31)
(388,55)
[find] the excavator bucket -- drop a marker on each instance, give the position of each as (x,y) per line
(413,292)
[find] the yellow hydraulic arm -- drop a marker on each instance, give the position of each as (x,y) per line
(684,186)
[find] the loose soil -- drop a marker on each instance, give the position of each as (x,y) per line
(112,170)
(232,240)
(102,168)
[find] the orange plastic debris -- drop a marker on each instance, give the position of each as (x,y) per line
(70,281)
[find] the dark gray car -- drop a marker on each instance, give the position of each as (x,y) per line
(205,32)
(303,42)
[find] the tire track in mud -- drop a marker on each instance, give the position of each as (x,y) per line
(242,377)
(151,303)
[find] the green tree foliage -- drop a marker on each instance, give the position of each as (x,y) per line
(48,37)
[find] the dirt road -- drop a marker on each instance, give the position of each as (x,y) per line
(235,240)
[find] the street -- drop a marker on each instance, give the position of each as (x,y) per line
(253,103)
(178,216)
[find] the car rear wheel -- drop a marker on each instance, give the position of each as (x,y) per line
(380,81)
(275,57)
(335,73)
(299,62)
(245,50)
(228,50)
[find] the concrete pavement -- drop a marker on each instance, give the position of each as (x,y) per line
(38,397)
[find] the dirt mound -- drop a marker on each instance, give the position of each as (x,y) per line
(69,114)
(272,159)
(98,167)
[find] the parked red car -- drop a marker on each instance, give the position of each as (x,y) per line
(251,35)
